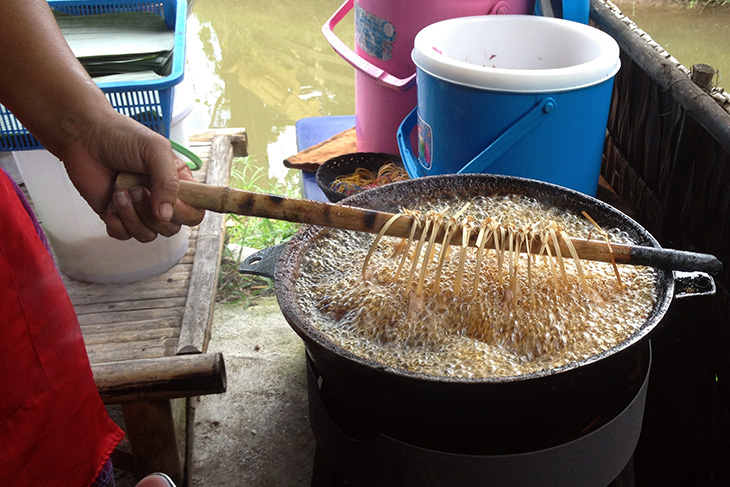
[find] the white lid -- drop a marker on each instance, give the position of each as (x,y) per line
(516,53)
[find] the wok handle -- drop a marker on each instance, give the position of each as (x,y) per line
(263,263)
(691,284)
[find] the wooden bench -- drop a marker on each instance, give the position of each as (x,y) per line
(147,341)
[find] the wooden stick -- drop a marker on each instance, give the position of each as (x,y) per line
(229,200)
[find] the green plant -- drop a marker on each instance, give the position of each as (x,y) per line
(708,3)
(244,233)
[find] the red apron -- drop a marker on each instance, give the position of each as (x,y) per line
(54,429)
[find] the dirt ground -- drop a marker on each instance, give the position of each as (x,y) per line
(257,433)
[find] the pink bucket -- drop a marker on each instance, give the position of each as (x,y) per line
(384,71)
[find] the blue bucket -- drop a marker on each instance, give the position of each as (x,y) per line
(515,95)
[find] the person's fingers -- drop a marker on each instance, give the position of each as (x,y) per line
(163,173)
(130,218)
(141,201)
(187,215)
(114,226)
(124,223)
(184,213)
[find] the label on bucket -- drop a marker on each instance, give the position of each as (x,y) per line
(425,143)
(375,36)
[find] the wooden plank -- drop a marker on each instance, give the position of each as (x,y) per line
(173,314)
(142,303)
(132,344)
(176,277)
(137,337)
(180,290)
(119,352)
(100,329)
(311,158)
(195,328)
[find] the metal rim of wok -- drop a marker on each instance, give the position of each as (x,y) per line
(393,196)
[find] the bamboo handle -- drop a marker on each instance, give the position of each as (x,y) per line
(229,200)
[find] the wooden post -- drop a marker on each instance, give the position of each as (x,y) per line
(702,75)
(191,403)
(151,433)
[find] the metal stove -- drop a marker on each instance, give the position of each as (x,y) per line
(593,456)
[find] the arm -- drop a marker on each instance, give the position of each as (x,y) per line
(49,91)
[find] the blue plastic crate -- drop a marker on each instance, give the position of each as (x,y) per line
(150,102)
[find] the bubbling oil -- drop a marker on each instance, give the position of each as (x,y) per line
(517,319)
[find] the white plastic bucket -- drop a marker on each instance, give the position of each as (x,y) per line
(183,100)
(77,235)
(7,163)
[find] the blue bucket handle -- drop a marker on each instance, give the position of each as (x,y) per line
(404,144)
(484,159)
(517,130)
(575,10)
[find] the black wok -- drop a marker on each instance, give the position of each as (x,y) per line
(474,416)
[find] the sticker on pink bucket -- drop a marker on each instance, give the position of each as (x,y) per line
(375,36)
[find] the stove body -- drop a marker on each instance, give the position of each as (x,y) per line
(593,456)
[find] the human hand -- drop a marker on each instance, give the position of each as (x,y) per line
(51,93)
(115,143)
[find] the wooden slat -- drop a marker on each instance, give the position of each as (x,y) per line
(150,324)
(168,284)
(123,351)
(126,335)
(132,305)
(195,331)
(154,292)
(172,314)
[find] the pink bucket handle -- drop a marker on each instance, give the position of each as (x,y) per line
(377,74)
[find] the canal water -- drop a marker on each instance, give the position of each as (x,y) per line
(692,35)
(263,65)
